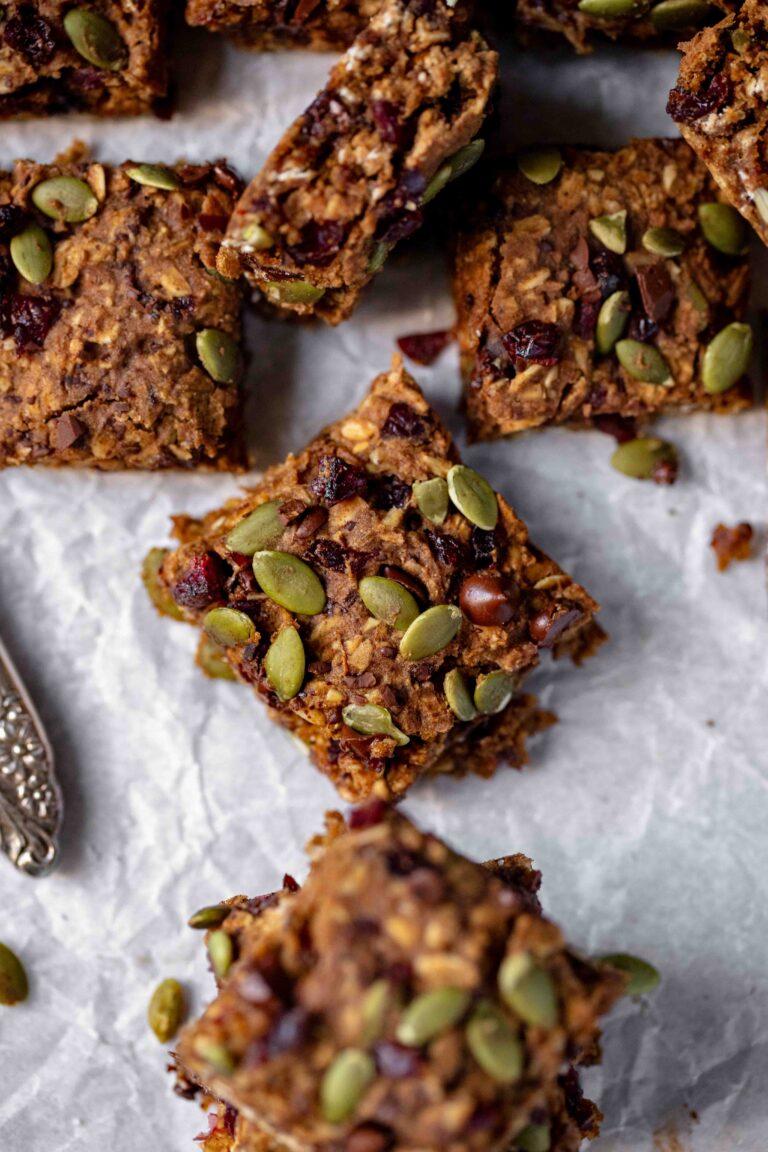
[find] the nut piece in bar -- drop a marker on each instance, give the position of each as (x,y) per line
(584,22)
(397,121)
(595,285)
(403,998)
(273,25)
(381,598)
(720,105)
(120,344)
(104,58)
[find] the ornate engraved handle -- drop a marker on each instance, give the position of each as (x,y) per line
(30,800)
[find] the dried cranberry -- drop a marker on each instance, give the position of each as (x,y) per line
(397,1061)
(388,120)
(289,884)
(535,340)
(337,480)
(687,107)
(390,492)
(485,1118)
(546,628)
(203,582)
(622,428)
(398,225)
(403,422)
(211,222)
(581,1111)
(425,347)
(488,599)
(328,554)
(367,815)
(399,212)
(585,321)
(320,243)
(31,36)
(665,471)
(447,550)
(609,270)
(484,546)
(31,318)
(258,904)
(11,220)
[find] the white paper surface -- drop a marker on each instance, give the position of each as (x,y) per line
(646,807)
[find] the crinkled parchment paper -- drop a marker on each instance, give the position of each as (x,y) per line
(646,807)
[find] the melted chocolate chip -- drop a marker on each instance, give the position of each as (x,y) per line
(488,599)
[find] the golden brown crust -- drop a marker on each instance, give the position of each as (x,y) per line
(271,25)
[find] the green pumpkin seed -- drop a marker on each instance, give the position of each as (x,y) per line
(458,165)
(14,987)
(541,166)
(65,198)
(724,229)
(219,355)
(95,39)
(671,15)
(217,1056)
(228,627)
(166,1010)
(257,237)
(613,9)
(378,258)
(345,1083)
(741,40)
(663,242)
(458,695)
(611,231)
(430,1014)
(611,321)
(32,254)
(493,692)
(372,720)
(292,292)
(643,977)
(698,299)
(430,632)
(220,952)
(439,181)
(534,1138)
(374,1010)
(528,990)
(212,916)
(153,176)
(494,1045)
(761,203)
(285,664)
(473,496)
(258,530)
(388,601)
(644,362)
(210,657)
(289,582)
(158,593)
(431,498)
(639,458)
(726,358)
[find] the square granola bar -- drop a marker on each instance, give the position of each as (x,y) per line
(273,25)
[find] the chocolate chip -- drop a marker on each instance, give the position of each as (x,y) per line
(547,627)
(488,599)
(656,290)
(68,431)
(609,271)
(400,576)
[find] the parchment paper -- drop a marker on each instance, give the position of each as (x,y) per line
(646,807)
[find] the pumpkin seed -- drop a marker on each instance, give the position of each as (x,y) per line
(639,458)
(374,1009)
(258,530)
(158,593)
(285,664)
(212,916)
(210,657)
(153,176)
(458,165)
(289,582)
(458,695)
(741,40)
(724,229)
(32,254)
(430,1014)
(643,977)
(217,1056)
(542,165)
(613,9)
(761,203)
(388,601)
(473,496)
(228,627)
(257,237)
(697,298)
(493,692)
(528,990)
(95,39)
(345,1083)
(494,1045)
(65,198)
(644,362)
(534,1138)
(663,242)
(292,292)
(372,720)
(220,952)
(430,632)
(431,498)
(14,987)
(378,258)
(611,231)
(166,1010)
(673,14)
(219,355)
(726,358)
(611,321)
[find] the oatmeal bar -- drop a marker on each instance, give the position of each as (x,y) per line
(119,341)
(404,998)
(396,121)
(103,58)
(595,285)
(721,106)
(273,25)
(653,22)
(388,624)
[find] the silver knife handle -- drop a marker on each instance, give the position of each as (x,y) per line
(30,800)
